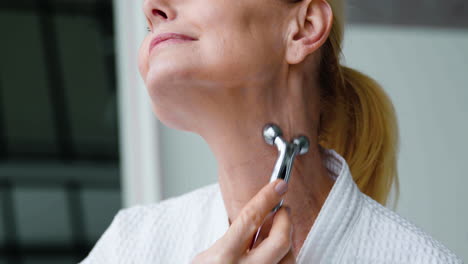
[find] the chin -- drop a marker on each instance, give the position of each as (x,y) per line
(170,98)
(163,81)
(171,118)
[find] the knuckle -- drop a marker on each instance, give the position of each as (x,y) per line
(251,217)
(217,258)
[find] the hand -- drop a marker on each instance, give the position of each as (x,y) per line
(233,247)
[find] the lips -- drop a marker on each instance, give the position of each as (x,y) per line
(168,36)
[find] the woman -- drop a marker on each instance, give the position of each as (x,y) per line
(224,69)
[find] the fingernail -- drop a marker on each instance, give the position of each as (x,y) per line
(281,187)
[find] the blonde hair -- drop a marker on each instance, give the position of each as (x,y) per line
(357,118)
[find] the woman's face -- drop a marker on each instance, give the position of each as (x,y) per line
(237,43)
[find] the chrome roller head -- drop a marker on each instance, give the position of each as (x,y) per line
(303,143)
(271,132)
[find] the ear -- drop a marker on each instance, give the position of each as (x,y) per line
(310,30)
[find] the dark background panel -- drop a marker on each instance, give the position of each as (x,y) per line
(427,13)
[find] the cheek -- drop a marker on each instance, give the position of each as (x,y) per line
(238,48)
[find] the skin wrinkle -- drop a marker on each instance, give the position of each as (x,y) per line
(234,79)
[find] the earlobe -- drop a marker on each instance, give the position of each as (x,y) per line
(314,22)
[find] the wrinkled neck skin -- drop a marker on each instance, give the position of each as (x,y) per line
(233,131)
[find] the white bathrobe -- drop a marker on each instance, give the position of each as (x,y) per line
(350,228)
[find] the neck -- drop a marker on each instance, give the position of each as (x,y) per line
(245,161)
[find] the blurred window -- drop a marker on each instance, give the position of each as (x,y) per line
(59,162)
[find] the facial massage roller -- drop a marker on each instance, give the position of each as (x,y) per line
(287,152)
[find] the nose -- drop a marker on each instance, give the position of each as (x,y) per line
(157,11)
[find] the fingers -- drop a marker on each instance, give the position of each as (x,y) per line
(277,246)
(251,217)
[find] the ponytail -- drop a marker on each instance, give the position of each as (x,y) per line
(358,121)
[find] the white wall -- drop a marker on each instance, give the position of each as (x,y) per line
(138,138)
(187,162)
(424,73)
